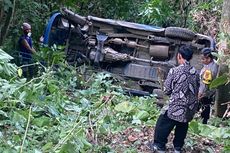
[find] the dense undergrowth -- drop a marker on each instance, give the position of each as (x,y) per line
(61,110)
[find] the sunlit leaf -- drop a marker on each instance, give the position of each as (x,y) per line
(124,107)
(142,115)
(194,127)
(67,148)
(41,121)
(4,56)
(219,81)
(3,113)
(37,151)
(22,96)
(47,146)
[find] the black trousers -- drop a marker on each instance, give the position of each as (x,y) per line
(205,105)
(163,128)
(28,71)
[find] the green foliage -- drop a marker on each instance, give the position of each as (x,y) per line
(125,107)
(209,131)
(211,6)
(223,59)
(120,9)
(7,4)
(51,56)
(160,12)
(33,12)
(219,134)
(219,122)
(62,113)
(219,81)
(71,114)
(116,9)
(6,69)
(204,16)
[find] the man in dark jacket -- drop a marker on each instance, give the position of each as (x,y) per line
(181,84)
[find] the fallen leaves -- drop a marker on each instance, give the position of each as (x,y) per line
(132,138)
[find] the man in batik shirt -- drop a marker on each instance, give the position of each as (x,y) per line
(181,84)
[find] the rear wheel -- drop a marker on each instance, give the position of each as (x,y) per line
(180,33)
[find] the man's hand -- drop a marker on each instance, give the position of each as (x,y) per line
(200,95)
(159,93)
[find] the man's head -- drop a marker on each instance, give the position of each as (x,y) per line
(207,56)
(184,53)
(26,27)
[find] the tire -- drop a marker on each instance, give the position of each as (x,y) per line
(180,33)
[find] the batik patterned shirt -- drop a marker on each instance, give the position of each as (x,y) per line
(182,84)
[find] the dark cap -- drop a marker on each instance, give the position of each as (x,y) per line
(207,52)
(186,52)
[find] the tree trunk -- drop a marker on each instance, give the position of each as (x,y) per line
(225,17)
(223,92)
(5,27)
(222,95)
(1,18)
